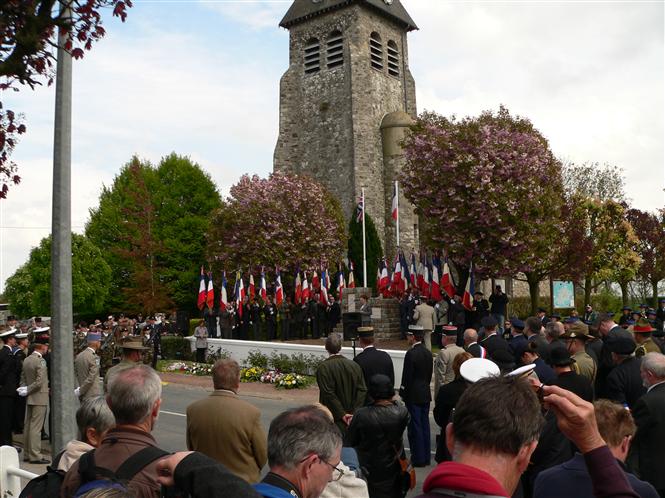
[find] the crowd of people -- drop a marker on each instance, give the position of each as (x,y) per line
(543,407)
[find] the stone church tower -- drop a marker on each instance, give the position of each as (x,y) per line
(346,102)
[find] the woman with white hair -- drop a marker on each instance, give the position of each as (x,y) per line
(94,419)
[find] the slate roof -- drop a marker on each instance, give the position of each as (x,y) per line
(301,10)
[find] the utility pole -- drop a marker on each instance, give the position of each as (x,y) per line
(63,404)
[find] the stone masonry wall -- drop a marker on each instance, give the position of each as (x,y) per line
(330,120)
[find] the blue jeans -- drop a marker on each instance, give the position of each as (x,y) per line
(418,434)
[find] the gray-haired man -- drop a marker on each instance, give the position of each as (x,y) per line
(304,449)
(134,396)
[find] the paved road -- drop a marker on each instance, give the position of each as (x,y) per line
(170,429)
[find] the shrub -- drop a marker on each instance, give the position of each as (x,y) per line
(255,358)
(175,348)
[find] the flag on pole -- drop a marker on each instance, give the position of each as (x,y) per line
(326,281)
(384,278)
(305,288)
(360,209)
(435,289)
(263,287)
(398,282)
(324,290)
(420,279)
(340,283)
(252,287)
(413,270)
(201,301)
(447,280)
(352,282)
(223,300)
(469,290)
(298,287)
(426,280)
(395,207)
(210,296)
(315,281)
(239,293)
(279,290)
(406,278)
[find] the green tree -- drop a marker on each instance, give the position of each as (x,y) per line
(374,251)
(151,225)
(29,288)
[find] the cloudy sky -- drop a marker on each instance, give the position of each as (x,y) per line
(202,79)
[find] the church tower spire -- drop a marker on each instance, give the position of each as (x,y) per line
(346,98)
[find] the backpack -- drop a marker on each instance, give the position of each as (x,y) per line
(46,485)
(93,477)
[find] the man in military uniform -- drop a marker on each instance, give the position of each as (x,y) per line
(20,354)
(9,383)
(86,368)
(270,313)
(371,360)
(341,385)
(34,386)
(642,331)
(132,354)
(443,363)
(589,314)
(415,391)
(660,316)
(625,316)
(154,332)
(575,340)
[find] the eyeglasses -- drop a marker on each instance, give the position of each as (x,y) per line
(337,473)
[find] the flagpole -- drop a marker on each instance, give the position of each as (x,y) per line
(397,220)
(364,245)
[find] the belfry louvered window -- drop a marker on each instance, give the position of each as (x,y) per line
(393,59)
(335,50)
(312,63)
(375,51)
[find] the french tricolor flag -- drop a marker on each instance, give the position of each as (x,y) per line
(239,293)
(297,298)
(324,290)
(395,206)
(340,284)
(223,300)
(210,296)
(201,301)
(447,280)
(252,287)
(305,288)
(467,299)
(279,290)
(263,287)
(413,270)
(352,282)
(315,281)
(435,289)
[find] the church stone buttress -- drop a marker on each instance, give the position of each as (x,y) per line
(346,100)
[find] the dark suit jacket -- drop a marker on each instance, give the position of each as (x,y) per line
(8,374)
(572,480)
(575,383)
(494,343)
(373,361)
(624,383)
(417,375)
(647,452)
(228,429)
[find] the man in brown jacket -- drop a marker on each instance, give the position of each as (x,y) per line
(226,428)
(134,398)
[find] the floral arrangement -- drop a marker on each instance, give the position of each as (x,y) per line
(251,374)
(291,381)
(190,368)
